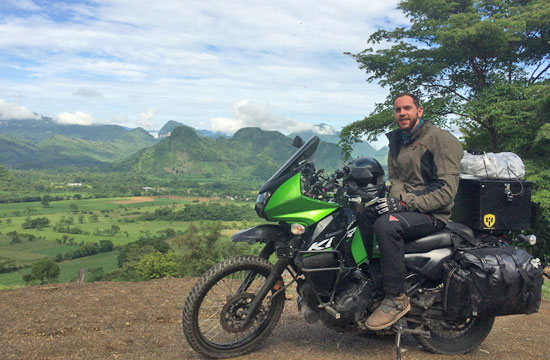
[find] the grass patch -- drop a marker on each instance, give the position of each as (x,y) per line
(69,269)
(546,290)
(25,252)
(12,280)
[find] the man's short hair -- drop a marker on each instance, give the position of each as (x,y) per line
(416,99)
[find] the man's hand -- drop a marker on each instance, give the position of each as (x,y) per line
(391,205)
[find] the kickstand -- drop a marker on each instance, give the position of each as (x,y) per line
(399,330)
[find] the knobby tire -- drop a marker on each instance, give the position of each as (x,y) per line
(205,286)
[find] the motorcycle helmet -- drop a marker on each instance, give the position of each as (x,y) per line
(368,174)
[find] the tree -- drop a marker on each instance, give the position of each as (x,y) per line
(158,265)
(203,248)
(38,223)
(44,270)
(73,207)
(105,245)
(115,229)
(483,65)
(45,201)
(459,57)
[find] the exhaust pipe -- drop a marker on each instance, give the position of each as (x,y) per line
(309,314)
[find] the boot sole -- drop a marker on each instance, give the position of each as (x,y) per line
(397,317)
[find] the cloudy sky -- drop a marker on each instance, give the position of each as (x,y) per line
(218,65)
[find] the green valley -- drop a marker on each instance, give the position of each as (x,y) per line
(112,200)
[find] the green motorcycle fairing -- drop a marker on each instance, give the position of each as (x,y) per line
(281,200)
(358,248)
(288,204)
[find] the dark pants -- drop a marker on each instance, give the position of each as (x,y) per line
(392,232)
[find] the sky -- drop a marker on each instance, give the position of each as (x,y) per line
(217,65)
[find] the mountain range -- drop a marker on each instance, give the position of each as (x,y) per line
(250,152)
(40,144)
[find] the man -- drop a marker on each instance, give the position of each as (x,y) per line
(423,168)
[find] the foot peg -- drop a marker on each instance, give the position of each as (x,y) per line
(329,309)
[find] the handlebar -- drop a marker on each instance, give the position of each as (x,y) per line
(329,187)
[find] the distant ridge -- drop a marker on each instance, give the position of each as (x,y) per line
(38,144)
(250,152)
(167,129)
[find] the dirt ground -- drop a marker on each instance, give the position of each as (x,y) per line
(141,199)
(134,200)
(108,320)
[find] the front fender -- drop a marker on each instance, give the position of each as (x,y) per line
(261,233)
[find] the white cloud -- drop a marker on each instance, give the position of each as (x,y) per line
(192,60)
(145,118)
(250,114)
(86,92)
(10,111)
(77,118)
(324,129)
(28,5)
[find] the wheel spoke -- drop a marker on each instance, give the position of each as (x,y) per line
(224,296)
(215,311)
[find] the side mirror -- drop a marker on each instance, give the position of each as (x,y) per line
(298,142)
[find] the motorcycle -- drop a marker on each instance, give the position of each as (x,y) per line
(334,263)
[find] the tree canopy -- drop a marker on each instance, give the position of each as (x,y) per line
(483,65)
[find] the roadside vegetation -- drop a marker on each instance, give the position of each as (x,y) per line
(546,290)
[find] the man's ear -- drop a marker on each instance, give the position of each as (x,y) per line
(420,111)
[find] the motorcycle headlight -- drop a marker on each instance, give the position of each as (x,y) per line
(261,201)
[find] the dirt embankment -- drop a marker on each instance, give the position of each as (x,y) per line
(108,320)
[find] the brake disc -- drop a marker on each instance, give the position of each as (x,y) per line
(233,314)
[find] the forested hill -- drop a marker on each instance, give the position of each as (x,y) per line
(40,144)
(45,144)
(250,152)
(44,128)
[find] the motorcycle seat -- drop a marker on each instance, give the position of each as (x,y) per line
(437,240)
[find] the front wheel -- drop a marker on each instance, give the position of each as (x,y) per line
(214,310)
(456,337)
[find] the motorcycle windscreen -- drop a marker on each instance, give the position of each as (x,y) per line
(302,155)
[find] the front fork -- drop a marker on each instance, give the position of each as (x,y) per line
(276,273)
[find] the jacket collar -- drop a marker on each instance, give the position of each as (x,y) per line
(396,141)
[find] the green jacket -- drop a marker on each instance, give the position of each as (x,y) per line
(424,171)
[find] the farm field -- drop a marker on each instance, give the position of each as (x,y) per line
(74,223)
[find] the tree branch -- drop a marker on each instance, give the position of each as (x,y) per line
(478,72)
(447,88)
(533,79)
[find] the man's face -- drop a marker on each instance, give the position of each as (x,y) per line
(406,113)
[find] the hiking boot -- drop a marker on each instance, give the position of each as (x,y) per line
(392,309)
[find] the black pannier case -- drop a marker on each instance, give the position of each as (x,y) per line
(492,282)
(493,204)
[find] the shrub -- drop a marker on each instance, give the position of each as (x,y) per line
(94,274)
(157,265)
(44,270)
(37,223)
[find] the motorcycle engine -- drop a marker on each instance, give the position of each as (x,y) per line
(351,302)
